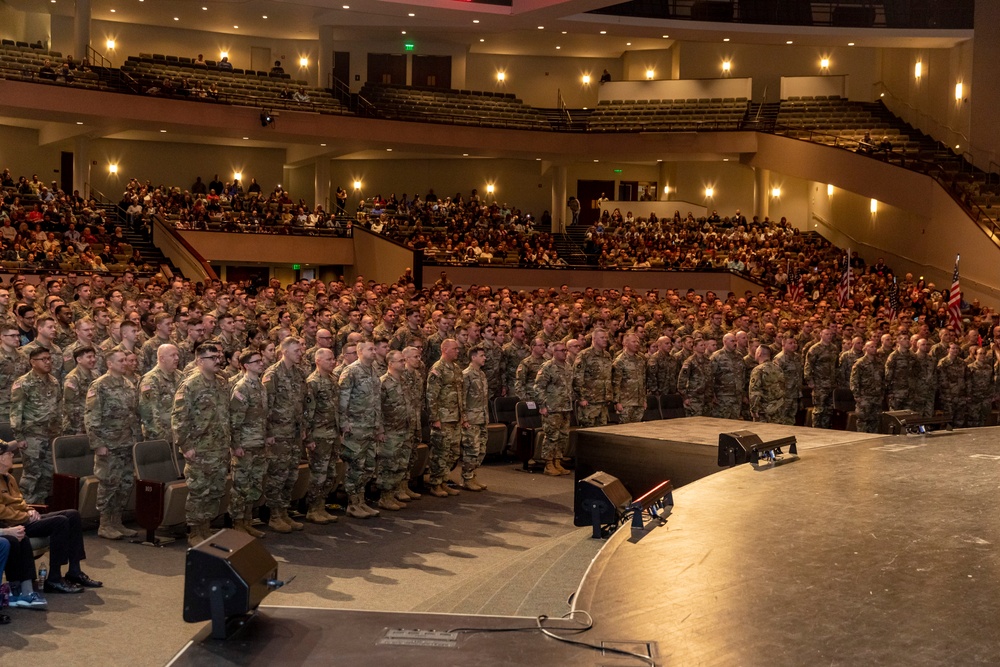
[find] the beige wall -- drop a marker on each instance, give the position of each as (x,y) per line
(179,255)
(271,248)
(378,259)
(535,79)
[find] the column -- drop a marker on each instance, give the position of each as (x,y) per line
(667,178)
(559,199)
(81,165)
(81,29)
(761,191)
(325,58)
(322,184)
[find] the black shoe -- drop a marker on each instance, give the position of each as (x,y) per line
(83,580)
(61,586)
(4,619)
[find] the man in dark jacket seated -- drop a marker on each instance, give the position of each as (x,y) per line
(62,528)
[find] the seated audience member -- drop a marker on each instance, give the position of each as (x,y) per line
(4,554)
(17,560)
(225,64)
(277,69)
(62,528)
(200,60)
(301,95)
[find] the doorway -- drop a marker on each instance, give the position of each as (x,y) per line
(342,67)
(387,68)
(66,171)
(432,71)
(589,192)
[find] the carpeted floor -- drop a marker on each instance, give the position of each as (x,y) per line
(511,550)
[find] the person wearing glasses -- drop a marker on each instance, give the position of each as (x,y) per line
(13,364)
(553,391)
(36,418)
(200,422)
(247,425)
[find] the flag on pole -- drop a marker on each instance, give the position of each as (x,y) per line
(893,299)
(955,301)
(844,289)
(796,289)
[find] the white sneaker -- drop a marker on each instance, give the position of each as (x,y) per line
(30,601)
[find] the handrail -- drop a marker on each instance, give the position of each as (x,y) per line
(195,255)
(93,55)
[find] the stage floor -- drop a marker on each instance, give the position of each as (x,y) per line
(881,551)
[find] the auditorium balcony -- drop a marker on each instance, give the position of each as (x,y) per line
(687,115)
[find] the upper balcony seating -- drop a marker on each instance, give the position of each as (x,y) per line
(458,107)
(668,115)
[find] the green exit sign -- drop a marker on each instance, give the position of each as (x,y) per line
(617,171)
(408,46)
(296,267)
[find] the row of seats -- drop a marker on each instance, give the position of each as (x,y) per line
(11,45)
(668,115)
(26,64)
(452,106)
(209,66)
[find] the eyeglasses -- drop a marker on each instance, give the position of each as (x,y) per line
(42,359)
(254,361)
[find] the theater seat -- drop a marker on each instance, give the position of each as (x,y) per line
(528,433)
(418,462)
(672,406)
(160,493)
(496,439)
(74,485)
(652,412)
(301,486)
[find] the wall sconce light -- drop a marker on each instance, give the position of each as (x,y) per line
(501,77)
(874,206)
(110,44)
(829,190)
(237,175)
(223,54)
(709,192)
(650,74)
(357,185)
(113,168)
(726,66)
(824,64)
(775,192)
(303,62)
(958,91)
(666,189)
(490,189)
(586,79)
(918,70)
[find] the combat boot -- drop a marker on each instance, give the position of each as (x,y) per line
(550,469)
(197,533)
(372,512)
(400,494)
(240,526)
(278,523)
(447,489)
(295,525)
(473,484)
(354,508)
(387,502)
(557,464)
(410,493)
(248,522)
(318,514)
(438,492)
(126,532)
(108,530)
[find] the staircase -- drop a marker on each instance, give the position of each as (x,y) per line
(149,252)
(569,250)
(566,120)
(761,116)
(577,235)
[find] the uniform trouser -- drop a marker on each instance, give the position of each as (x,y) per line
(322,468)
(791,410)
(954,406)
(282,464)
(822,398)
(772,414)
(36,477)
(631,414)
(978,412)
(415,436)
(359,456)
(393,459)
(727,407)
(898,400)
(115,477)
(555,426)
(922,405)
(206,481)
(592,414)
(868,415)
(473,449)
(446,443)
(248,480)
(694,407)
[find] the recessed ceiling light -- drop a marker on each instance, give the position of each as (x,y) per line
(264,16)
(475,20)
(788,42)
(660,160)
(558,47)
(537,159)
(347,6)
(246,138)
(564,32)
(465,155)
(388,150)
(163,131)
(596,160)
(604,32)
(666,37)
(725,159)
(850,43)
(541,27)
(79,122)
(236,27)
(113,11)
(411,14)
(482,40)
(204,9)
(628,43)
(177,18)
(726,39)
(322,144)
(403,31)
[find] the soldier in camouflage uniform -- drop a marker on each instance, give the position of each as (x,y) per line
(13,364)
(728,379)
(592,379)
(981,386)
(161,336)
(554,393)
(397,413)
(694,382)
(444,407)
(866,385)
(493,368)
(200,422)
(790,363)
(767,389)
(846,363)
(113,426)
(528,369)
(84,338)
(35,420)
(475,417)
(924,380)
(628,381)
(899,374)
(662,368)
(413,380)
(360,411)
(286,392)
(44,338)
(820,374)
(951,385)
(411,330)
(514,353)
(322,435)
(248,430)
(156,394)
(75,388)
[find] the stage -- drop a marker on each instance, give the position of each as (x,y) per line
(867,550)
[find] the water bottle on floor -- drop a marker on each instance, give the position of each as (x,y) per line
(43,573)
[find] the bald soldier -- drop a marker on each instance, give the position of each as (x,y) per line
(360,410)
(156,394)
(322,433)
(445,396)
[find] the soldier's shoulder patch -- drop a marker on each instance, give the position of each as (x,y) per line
(146,386)
(238,396)
(434,371)
(70,384)
(16,385)
(92,391)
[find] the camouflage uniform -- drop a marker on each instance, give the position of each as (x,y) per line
(866,385)
(821,373)
(728,382)
(661,373)
(360,408)
(923,384)
(592,382)
(322,427)
(628,386)
(898,378)
(147,353)
(156,401)
(554,392)
(791,365)
(493,368)
(981,389)
(69,363)
(111,422)
(413,381)
(286,392)
(694,383)
(65,335)
(247,427)
(35,419)
(404,337)
(767,393)
(512,356)
(200,421)
(951,388)
(397,415)
(526,372)
(57,359)
(475,413)
(74,397)
(844,367)
(12,366)
(445,397)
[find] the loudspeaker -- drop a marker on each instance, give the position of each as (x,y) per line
(893,422)
(735,447)
(601,496)
(226,576)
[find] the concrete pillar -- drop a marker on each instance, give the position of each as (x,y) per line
(81,164)
(560,212)
(81,29)
(667,178)
(322,184)
(325,58)
(761,191)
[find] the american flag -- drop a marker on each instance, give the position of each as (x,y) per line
(955,301)
(796,289)
(893,299)
(844,289)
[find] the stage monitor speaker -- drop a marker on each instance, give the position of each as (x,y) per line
(735,447)
(893,421)
(601,495)
(226,577)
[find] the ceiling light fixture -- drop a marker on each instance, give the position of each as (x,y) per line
(725,39)
(850,43)
(475,20)
(788,42)
(604,32)
(411,14)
